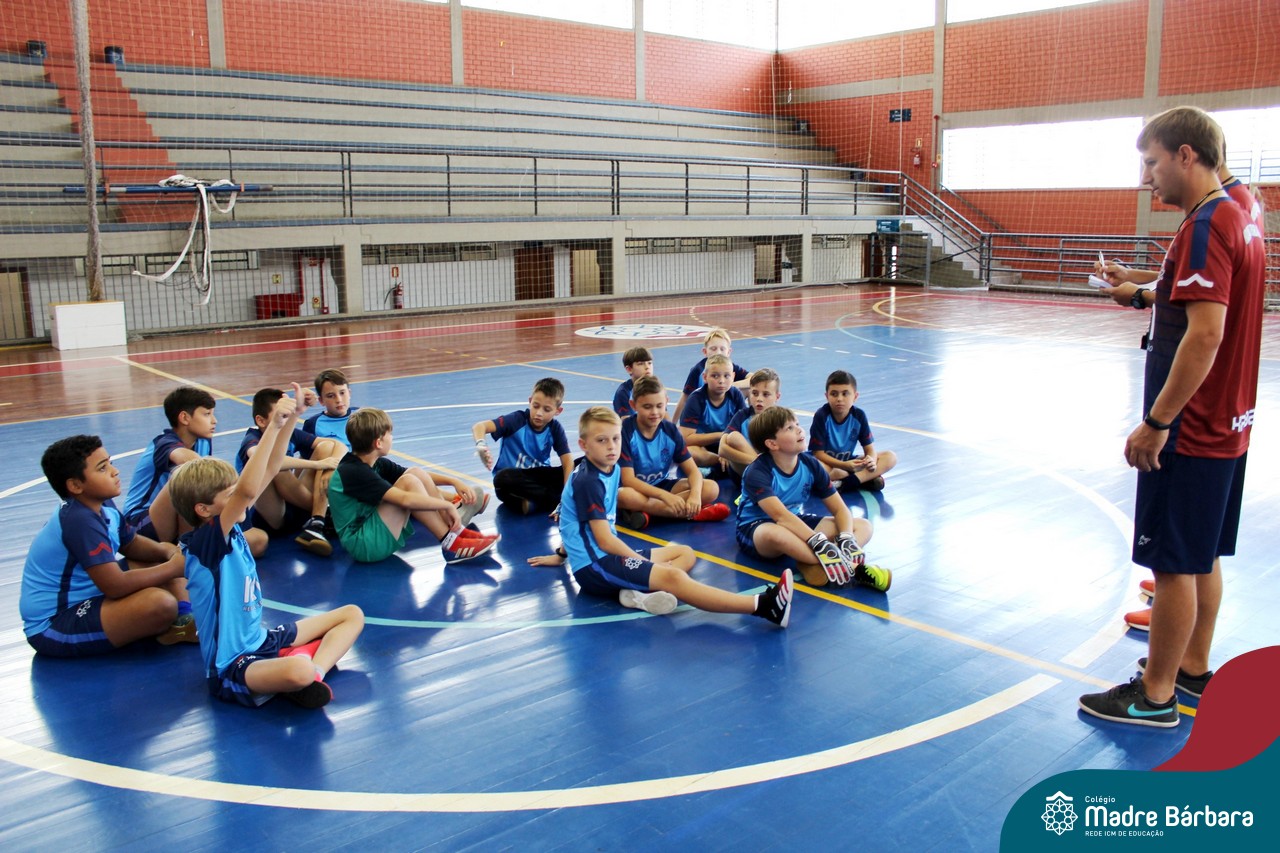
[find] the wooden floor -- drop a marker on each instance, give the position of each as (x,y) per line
(489,706)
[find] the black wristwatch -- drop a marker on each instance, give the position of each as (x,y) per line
(1155,424)
(1137,301)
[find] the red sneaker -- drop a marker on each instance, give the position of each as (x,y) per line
(1147,590)
(1139,620)
(712,512)
(467,548)
(308,649)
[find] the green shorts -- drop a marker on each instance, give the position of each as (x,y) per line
(372,541)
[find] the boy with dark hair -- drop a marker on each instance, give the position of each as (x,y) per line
(189,436)
(604,565)
(244,661)
(78,596)
(772,522)
(637,361)
(333,392)
(651,444)
(840,430)
(301,487)
(709,410)
(372,499)
(763,393)
(524,478)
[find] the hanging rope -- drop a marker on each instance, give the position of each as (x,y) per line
(201,277)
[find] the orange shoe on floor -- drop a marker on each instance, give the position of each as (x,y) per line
(1139,620)
(1147,590)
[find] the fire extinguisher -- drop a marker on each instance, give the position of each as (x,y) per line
(396,295)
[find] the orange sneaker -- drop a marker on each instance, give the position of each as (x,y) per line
(1147,590)
(1139,620)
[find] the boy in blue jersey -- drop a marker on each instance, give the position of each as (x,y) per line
(637,361)
(841,438)
(244,661)
(372,499)
(651,444)
(716,342)
(333,392)
(763,393)
(79,597)
(772,521)
(708,412)
(604,565)
(297,497)
(523,477)
(189,436)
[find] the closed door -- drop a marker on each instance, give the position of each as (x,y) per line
(15,321)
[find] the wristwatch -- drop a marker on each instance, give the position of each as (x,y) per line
(1137,301)
(1155,424)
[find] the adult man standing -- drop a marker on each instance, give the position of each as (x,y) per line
(1198,402)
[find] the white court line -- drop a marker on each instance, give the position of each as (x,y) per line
(43,760)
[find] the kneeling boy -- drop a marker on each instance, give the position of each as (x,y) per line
(244,661)
(604,565)
(771,518)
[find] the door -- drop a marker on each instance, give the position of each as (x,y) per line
(535,273)
(15,319)
(584,272)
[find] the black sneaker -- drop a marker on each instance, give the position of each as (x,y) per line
(330,531)
(775,602)
(1192,685)
(312,537)
(315,695)
(1127,703)
(634,519)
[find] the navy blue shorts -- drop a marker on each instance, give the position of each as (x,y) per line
(74,633)
(612,573)
(229,685)
(1187,513)
(291,524)
(746,533)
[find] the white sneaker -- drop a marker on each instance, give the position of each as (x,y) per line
(657,603)
(469,511)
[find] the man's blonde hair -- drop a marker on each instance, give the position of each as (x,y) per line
(597,415)
(365,427)
(198,482)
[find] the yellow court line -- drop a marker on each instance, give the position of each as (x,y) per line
(214,391)
(562,370)
(908,622)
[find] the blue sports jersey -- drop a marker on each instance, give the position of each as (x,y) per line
(701,416)
(524,447)
(300,444)
(739,423)
(650,459)
(763,479)
(589,494)
(842,440)
(322,425)
(55,575)
(152,472)
(226,598)
(694,380)
(622,399)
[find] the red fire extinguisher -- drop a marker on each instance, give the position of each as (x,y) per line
(396,295)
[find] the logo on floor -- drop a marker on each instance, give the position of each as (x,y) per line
(645,331)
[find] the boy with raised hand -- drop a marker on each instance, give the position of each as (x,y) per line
(147,506)
(372,499)
(772,522)
(78,596)
(604,565)
(709,410)
(651,444)
(841,438)
(524,478)
(244,661)
(716,342)
(333,392)
(763,393)
(302,484)
(637,361)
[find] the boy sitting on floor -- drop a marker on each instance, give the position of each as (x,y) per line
(708,412)
(772,522)
(372,499)
(637,361)
(245,662)
(333,392)
(524,478)
(79,597)
(604,565)
(716,342)
(763,393)
(841,438)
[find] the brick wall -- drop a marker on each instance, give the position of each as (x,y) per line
(692,73)
(1057,211)
(174,32)
(1219,45)
(860,131)
(898,55)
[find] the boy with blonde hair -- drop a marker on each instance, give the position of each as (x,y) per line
(372,499)
(244,661)
(763,393)
(604,565)
(709,411)
(716,342)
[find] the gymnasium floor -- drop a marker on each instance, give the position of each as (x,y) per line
(488,706)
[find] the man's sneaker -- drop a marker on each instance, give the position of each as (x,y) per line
(633,519)
(471,510)
(1127,703)
(468,546)
(1147,590)
(712,512)
(1139,620)
(315,695)
(658,603)
(1192,685)
(876,577)
(774,603)
(312,537)
(183,630)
